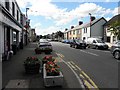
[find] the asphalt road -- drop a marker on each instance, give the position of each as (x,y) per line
(96,65)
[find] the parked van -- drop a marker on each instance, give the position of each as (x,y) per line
(96,43)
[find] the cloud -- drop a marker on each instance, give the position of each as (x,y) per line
(116,11)
(61,16)
(22,3)
(44,31)
(108,18)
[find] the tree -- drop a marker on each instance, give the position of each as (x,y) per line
(114,28)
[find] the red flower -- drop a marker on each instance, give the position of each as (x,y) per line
(48,57)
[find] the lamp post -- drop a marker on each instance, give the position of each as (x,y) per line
(26,25)
(90,24)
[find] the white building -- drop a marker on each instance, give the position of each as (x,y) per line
(110,37)
(93,29)
(10,26)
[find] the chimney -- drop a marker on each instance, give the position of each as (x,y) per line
(66,29)
(92,18)
(80,22)
(72,27)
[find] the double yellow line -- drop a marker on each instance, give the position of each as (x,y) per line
(60,55)
(86,79)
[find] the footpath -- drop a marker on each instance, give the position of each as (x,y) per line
(14,76)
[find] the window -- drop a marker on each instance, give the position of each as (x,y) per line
(13,9)
(17,15)
(74,32)
(108,39)
(114,38)
(85,30)
(78,31)
(7,5)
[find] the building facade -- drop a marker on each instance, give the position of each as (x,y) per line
(87,30)
(11,27)
(110,37)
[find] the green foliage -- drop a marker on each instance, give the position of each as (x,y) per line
(114,28)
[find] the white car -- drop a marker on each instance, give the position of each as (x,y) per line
(96,43)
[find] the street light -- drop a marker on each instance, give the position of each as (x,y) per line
(90,24)
(26,25)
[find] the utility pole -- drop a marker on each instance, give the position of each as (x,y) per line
(90,24)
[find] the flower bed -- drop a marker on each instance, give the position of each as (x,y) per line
(32,65)
(52,79)
(51,72)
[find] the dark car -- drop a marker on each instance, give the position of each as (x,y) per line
(66,41)
(115,50)
(77,43)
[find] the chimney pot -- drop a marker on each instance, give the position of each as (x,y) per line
(80,22)
(72,27)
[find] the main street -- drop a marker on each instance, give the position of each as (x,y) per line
(98,67)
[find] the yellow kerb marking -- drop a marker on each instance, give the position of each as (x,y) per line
(95,86)
(72,66)
(88,84)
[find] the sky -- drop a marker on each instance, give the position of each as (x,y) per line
(50,16)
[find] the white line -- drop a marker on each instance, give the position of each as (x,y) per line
(79,80)
(89,53)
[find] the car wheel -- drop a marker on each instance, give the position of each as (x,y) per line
(76,47)
(70,45)
(117,55)
(84,47)
(96,47)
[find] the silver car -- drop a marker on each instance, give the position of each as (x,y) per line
(115,50)
(45,45)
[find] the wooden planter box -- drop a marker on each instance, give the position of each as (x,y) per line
(32,69)
(52,80)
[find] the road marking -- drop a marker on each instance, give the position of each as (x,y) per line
(72,65)
(60,55)
(83,75)
(88,84)
(89,53)
(94,85)
(100,50)
(88,78)
(78,68)
(58,59)
(79,80)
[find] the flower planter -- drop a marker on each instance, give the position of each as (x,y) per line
(32,65)
(32,68)
(37,51)
(47,52)
(56,80)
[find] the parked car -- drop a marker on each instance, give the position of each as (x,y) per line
(66,41)
(45,45)
(96,43)
(77,43)
(115,50)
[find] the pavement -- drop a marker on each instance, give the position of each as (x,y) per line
(14,76)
